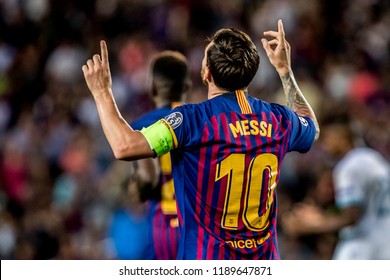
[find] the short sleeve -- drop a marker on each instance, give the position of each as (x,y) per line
(186,125)
(302,133)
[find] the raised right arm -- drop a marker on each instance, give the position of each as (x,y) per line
(126,143)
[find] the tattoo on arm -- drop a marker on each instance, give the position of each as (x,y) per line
(296,100)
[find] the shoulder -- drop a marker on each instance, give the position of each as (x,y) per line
(363,154)
(194,109)
(285,114)
(362,159)
(281,109)
(150,117)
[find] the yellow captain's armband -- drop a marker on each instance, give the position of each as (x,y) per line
(159,136)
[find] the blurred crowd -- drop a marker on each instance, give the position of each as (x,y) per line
(62,194)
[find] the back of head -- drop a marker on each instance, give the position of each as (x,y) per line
(170,75)
(232,58)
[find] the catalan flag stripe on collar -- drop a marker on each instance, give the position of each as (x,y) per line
(243,102)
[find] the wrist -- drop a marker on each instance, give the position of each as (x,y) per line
(283,71)
(102,93)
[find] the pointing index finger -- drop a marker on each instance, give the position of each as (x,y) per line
(280,29)
(104,52)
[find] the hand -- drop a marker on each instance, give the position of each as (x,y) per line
(303,219)
(97,72)
(278,49)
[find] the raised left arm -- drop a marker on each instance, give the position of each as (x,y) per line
(280,58)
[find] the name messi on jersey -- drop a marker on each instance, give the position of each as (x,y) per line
(251,127)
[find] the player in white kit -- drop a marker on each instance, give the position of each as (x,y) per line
(362,193)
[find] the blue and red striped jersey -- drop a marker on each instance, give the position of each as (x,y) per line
(226,167)
(164,235)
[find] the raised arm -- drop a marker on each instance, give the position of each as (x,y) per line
(279,53)
(126,143)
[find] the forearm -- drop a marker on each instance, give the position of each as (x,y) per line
(125,143)
(334,222)
(331,223)
(296,100)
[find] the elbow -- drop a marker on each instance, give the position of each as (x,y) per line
(317,128)
(131,147)
(129,152)
(120,156)
(317,135)
(121,151)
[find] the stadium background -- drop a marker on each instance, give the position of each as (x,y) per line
(62,194)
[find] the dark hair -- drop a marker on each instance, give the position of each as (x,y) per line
(170,74)
(232,58)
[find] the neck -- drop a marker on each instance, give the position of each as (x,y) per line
(214,91)
(160,100)
(161,103)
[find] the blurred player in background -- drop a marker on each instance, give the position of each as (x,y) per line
(361,180)
(226,152)
(170,81)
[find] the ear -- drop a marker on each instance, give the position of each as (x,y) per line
(207,75)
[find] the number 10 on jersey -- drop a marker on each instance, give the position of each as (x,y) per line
(261,172)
